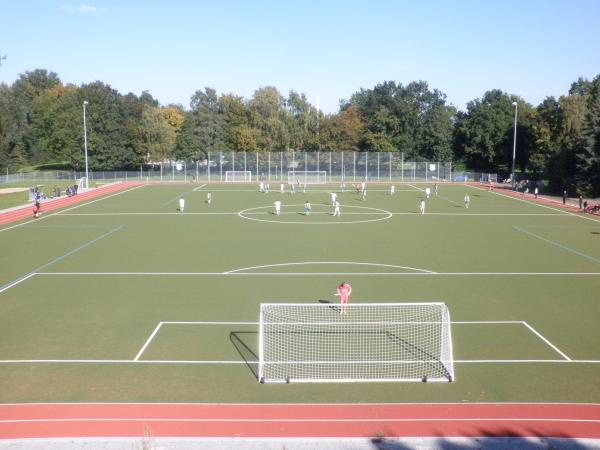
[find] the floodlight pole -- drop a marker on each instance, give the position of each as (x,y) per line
(87,179)
(514,147)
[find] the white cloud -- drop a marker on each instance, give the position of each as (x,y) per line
(82,8)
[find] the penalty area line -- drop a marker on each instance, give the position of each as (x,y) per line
(244,362)
(554,347)
(17,281)
(137,357)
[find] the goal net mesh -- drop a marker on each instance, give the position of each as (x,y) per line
(307,177)
(238,176)
(369,342)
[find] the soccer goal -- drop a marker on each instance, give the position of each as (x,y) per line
(307,177)
(370,342)
(238,176)
(82,183)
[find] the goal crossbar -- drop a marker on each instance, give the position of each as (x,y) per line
(307,177)
(238,176)
(363,342)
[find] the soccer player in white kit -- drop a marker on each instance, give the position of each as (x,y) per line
(333,198)
(181,204)
(209,197)
(467,201)
(282,188)
(307,208)
(392,189)
(427,192)
(277,207)
(422,206)
(336,211)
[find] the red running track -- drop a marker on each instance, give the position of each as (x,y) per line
(26,212)
(300,420)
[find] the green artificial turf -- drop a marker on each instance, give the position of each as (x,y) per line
(93,284)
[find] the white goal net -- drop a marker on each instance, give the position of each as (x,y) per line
(238,176)
(370,342)
(307,177)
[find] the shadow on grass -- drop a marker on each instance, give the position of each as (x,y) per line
(333,306)
(239,340)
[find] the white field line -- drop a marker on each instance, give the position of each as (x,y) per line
(404,213)
(336,189)
(225,362)
(556,244)
(291,274)
(156,214)
(225,323)
(328,263)
(100,199)
(554,347)
(563,212)
(416,188)
(209,323)
(443,198)
(45,216)
(17,281)
(196,189)
(148,342)
(60,258)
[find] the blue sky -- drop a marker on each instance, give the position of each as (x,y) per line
(325,49)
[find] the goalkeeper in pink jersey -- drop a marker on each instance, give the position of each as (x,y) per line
(344,290)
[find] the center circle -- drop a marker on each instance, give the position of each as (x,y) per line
(244,214)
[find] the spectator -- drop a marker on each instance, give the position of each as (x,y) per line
(564,197)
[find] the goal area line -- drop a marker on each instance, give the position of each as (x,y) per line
(533,331)
(137,359)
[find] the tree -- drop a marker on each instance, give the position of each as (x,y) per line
(486,130)
(238,133)
(57,125)
(202,128)
(302,121)
(411,118)
(587,153)
(109,143)
(267,116)
(20,146)
(158,135)
(344,131)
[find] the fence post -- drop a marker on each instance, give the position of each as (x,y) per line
(402,165)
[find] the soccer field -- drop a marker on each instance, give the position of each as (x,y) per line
(125,299)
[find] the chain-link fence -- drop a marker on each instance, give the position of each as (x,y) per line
(336,167)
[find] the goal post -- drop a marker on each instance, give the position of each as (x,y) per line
(307,177)
(238,176)
(371,342)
